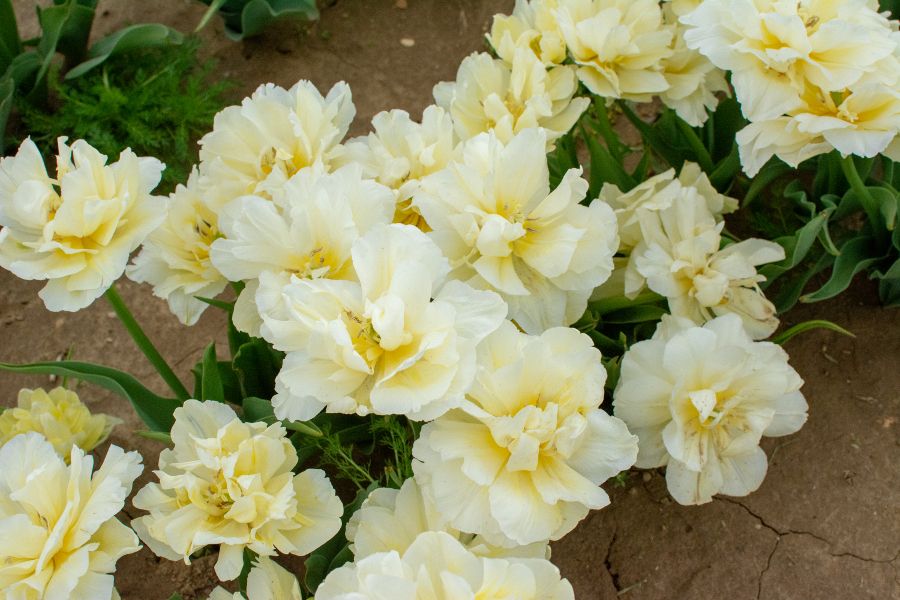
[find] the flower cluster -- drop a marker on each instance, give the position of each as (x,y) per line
(811,76)
(445,274)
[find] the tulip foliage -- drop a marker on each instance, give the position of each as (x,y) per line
(464,325)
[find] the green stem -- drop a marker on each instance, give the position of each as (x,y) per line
(869,203)
(703,157)
(144,344)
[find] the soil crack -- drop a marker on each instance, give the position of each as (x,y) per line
(614,575)
(785,532)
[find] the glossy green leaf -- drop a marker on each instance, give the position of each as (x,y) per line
(155,411)
(635,314)
(768,174)
(7,91)
(157,436)
(856,255)
(604,168)
(796,247)
(245,18)
(725,122)
(257,364)
(726,171)
(135,37)
(791,286)
(10,43)
(889,284)
(211,387)
(258,409)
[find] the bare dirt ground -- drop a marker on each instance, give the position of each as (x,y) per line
(826,522)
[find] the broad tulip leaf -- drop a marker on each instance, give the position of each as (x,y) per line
(135,37)
(155,411)
(857,255)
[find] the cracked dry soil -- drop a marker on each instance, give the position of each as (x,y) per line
(826,521)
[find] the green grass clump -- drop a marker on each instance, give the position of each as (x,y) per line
(158,103)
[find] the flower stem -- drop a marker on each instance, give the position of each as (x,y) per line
(144,344)
(868,202)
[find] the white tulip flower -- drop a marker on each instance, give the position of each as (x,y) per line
(679,258)
(437,566)
(401,340)
(700,399)
(494,216)
(522,460)
(254,148)
(76,230)
(693,82)
(864,121)
(618,45)
(531,25)
(491,95)
(391,519)
(774,49)
(306,231)
(58,415)
(400,152)
(60,536)
(658,193)
(230,483)
(175,258)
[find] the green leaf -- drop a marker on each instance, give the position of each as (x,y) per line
(258,14)
(799,328)
(796,247)
(64,28)
(157,436)
(213,7)
(258,409)
(7,90)
(257,364)
(305,427)
(654,136)
(605,168)
(889,284)
(856,255)
(701,155)
(726,170)
(562,158)
(788,292)
(10,43)
(771,171)
(134,37)
(155,411)
(725,122)
(634,314)
(211,387)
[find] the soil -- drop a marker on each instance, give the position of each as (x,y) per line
(824,524)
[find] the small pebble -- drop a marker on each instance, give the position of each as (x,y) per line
(401,4)
(407,42)
(646,477)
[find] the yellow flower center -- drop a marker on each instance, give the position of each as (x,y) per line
(288,162)
(366,341)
